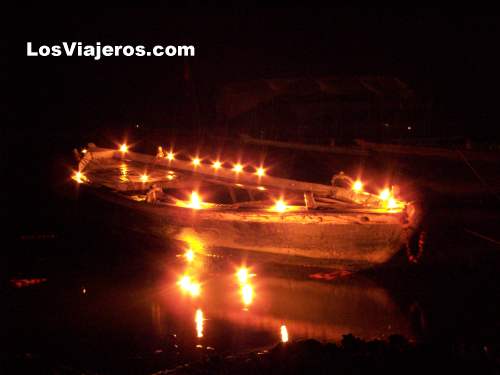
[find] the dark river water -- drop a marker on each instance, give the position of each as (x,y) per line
(96,298)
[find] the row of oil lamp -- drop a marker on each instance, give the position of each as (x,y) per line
(386,195)
(189,286)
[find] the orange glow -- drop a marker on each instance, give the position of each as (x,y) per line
(385,194)
(189,286)
(247,294)
(260,172)
(144,177)
(392,203)
(170,156)
(84,151)
(284,334)
(189,255)
(279,206)
(198,318)
(195,201)
(237,168)
(170,177)
(124,148)
(216,165)
(261,188)
(196,161)
(243,275)
(357,186)
(79,177)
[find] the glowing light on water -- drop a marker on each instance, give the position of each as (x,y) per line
(196,161)
(260,172)
(170,156)
(189,286)
(284,333)
(123,148)
(144,177)
(198,318)
(247,294)
(357,186)
(243,275)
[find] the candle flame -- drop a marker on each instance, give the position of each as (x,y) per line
(79,177)
(237,168)
(189,286)
(243,275)
(357,186)
(284,333)
(196,161)
(216,165)
(260,172)
(385,194)
(198,318)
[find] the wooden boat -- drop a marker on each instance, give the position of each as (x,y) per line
(319,225)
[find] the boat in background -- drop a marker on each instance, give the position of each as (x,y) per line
(235,210)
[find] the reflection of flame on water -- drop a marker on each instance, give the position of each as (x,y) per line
(189,286)
(198,318)
(123,172)
(243,276)
(284,333)
(247,294)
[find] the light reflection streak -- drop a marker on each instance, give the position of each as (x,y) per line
(284,333)
(198,318)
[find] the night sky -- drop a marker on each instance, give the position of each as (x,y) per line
(448,57)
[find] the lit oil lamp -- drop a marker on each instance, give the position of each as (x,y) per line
(189,286)
(123,148)
(216,165)
(237,168)
(385,194)
(357,186)
(279,206)
(189,255)
(170,156)
(260,172)
(144,178)
(196,161)
(79,177)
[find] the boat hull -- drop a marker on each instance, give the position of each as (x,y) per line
(349,241)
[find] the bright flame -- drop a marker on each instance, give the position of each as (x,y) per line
(280,206)
(189,255)
(170,177)
(260,172)
(243,275)
(216,165)
(392,203)
(198,318)
(284,333)
(84,151)
(189,286)
(170,156)
(385,194)
(196,161)
(144,177)
(124,148)
(237,168)
(247,294)
(357,186)
(79,177)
